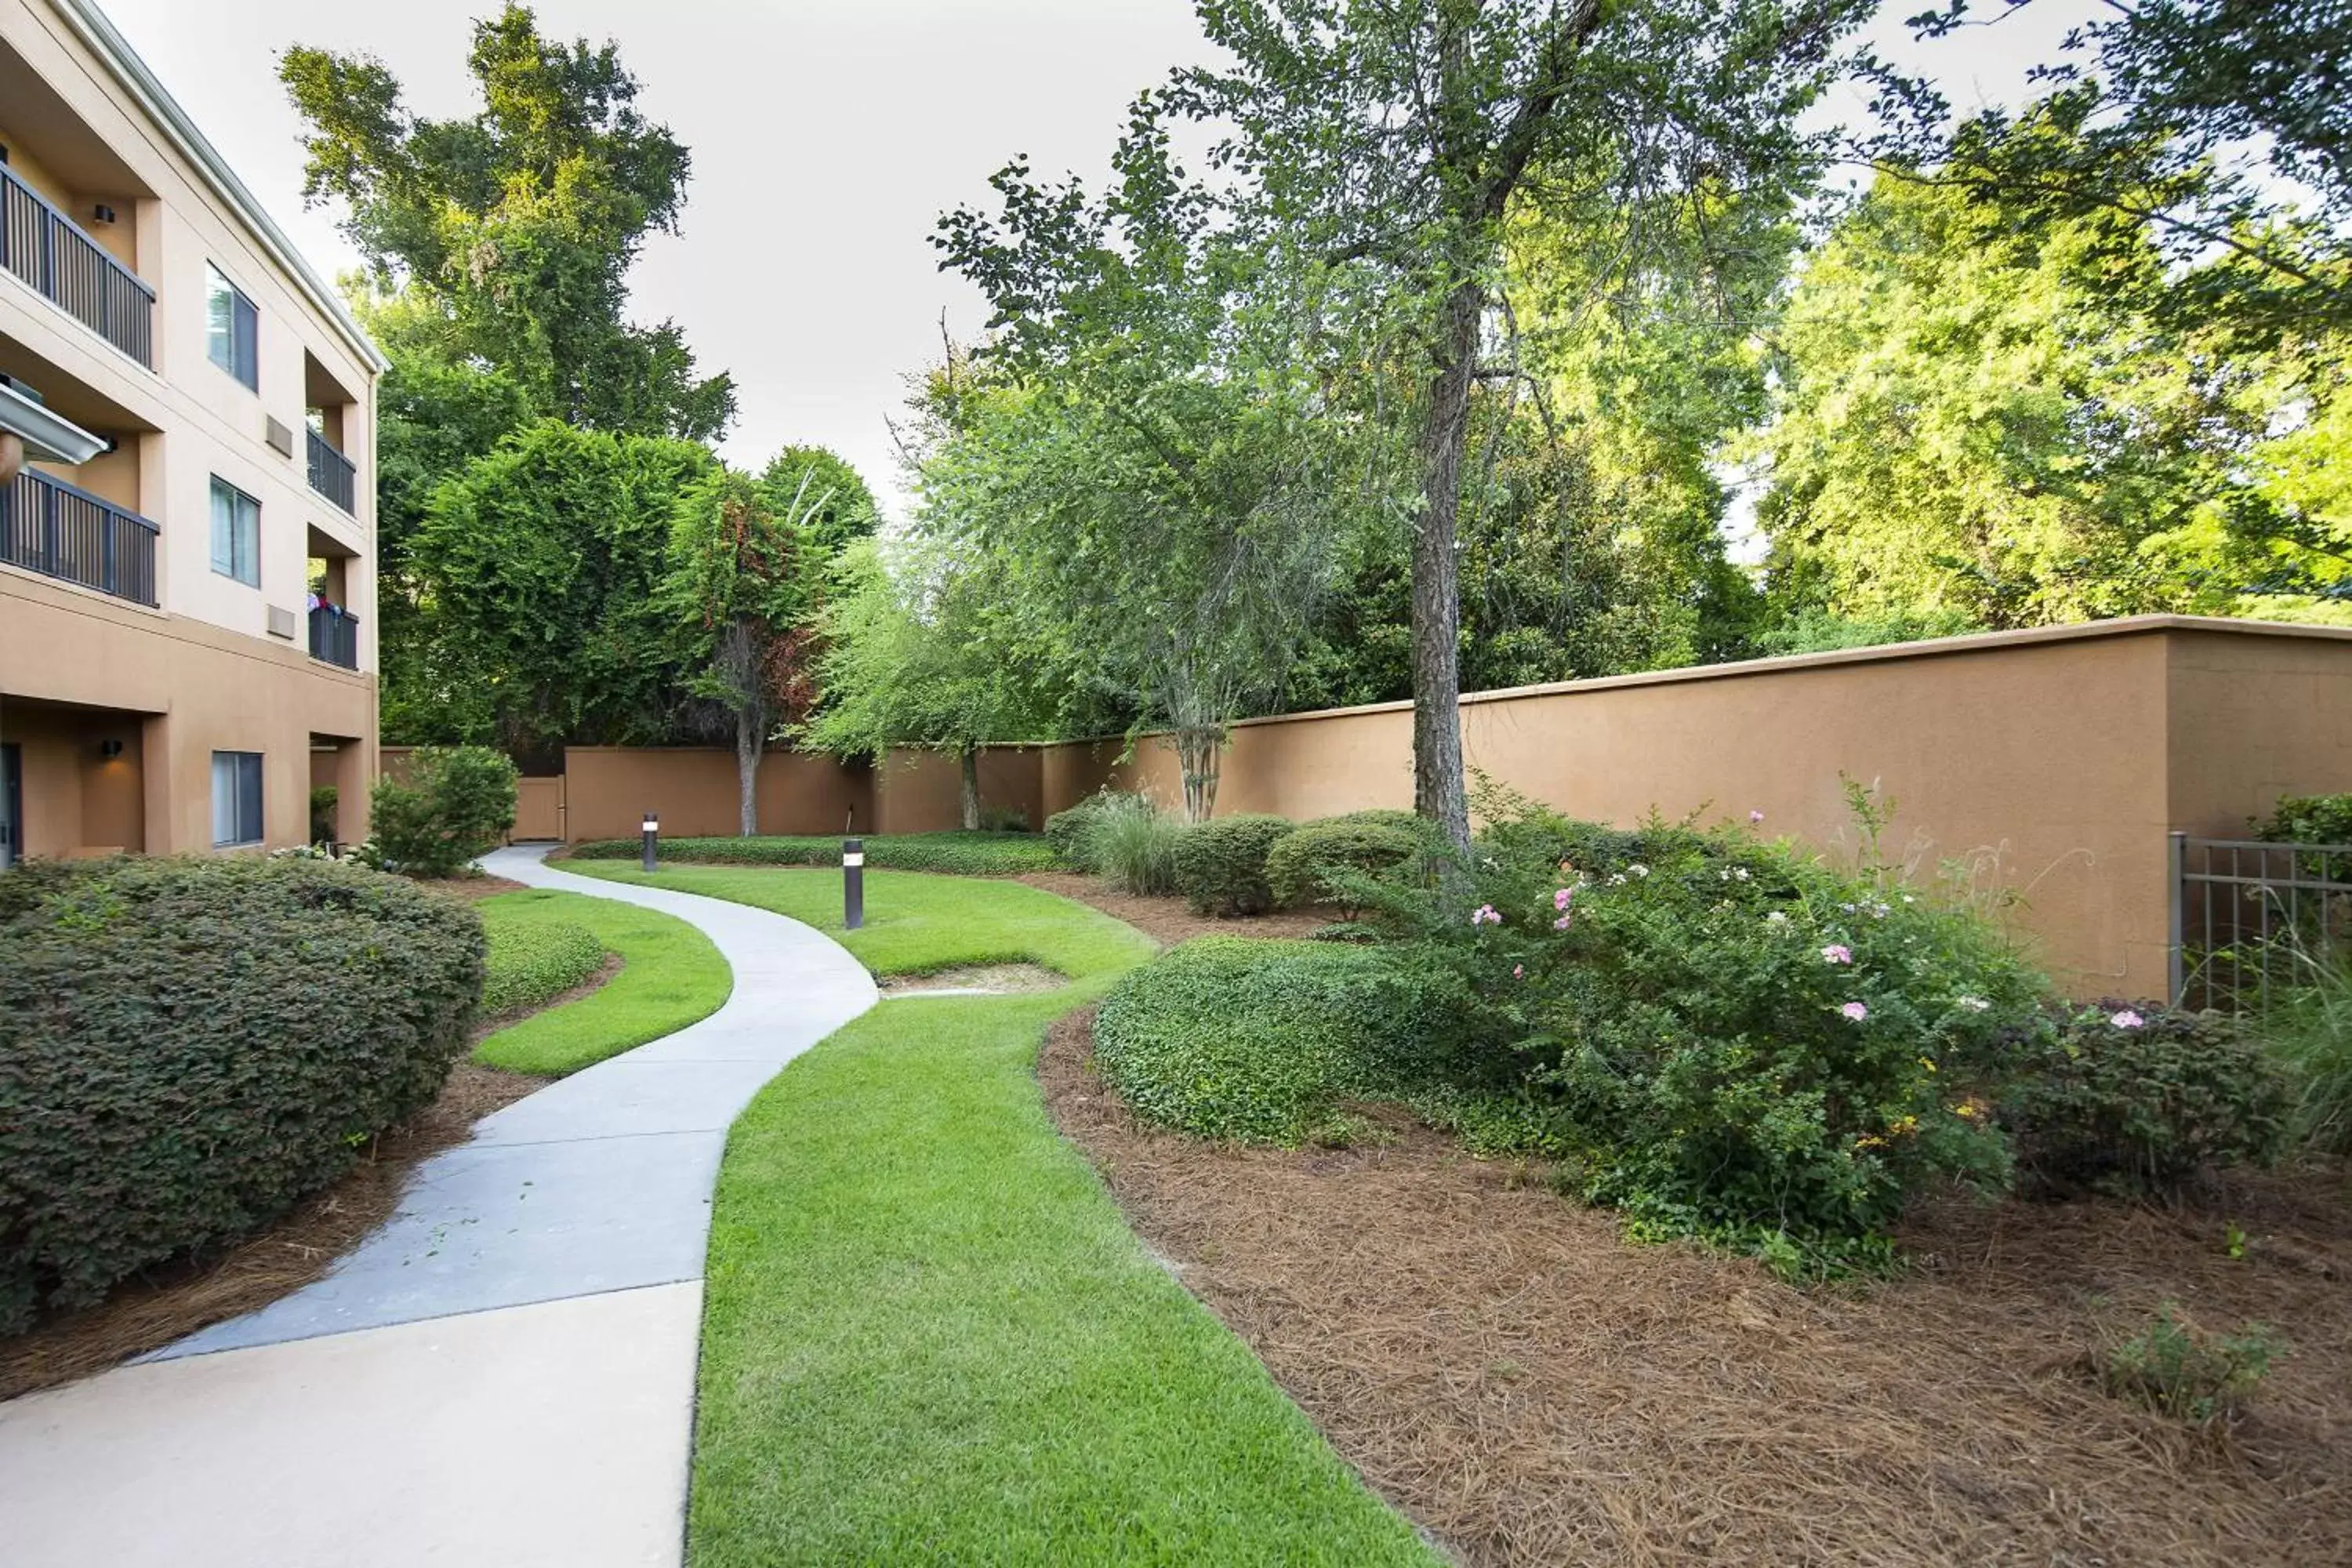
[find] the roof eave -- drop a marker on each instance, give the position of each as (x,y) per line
(132,73)
(49,438)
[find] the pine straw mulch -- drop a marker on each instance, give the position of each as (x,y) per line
(1165,919)
(1532,1390)
(175,1301)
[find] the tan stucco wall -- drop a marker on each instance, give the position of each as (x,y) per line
(923,792)
(2051,763)
(608,789)
(173,691)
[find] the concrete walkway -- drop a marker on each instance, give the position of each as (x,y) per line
(503,1375)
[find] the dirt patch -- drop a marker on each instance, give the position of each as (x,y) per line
(1005,978)
(1533,1390)
(177,1301)
(1166,920)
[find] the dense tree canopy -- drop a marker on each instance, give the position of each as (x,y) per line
(518,224)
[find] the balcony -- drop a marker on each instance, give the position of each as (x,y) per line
(331,472)
(50,527)
(49,251)
(334,635)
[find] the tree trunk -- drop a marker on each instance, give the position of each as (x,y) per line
(969,762)
(1438,791)
(748,738)
(1199,748)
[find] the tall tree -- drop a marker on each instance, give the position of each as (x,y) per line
(543,567)
(742,591)
(841,506)
(1381,149)
(518,224)
(2211,121)
(921,650)
(1981,416)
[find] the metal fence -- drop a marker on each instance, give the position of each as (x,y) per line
(335,636)
(2251,919)
(331,472)
(51,527)
(49,251)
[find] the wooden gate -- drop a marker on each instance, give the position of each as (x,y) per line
(538,808)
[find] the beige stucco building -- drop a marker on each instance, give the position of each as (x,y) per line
(187,584)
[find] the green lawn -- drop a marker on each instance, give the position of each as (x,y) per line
(670,976)
(958,854)
(916,923)
(929,1336)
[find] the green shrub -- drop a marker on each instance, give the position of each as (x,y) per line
(1003,819)
(1329,862)
(2134,1097)
(1235,1037)
(2308,819)
(956,853)
(323,801)
(1221,864)
(458,803)
(531,965)
(2178,1370)
(190,1046)
(1747,1044)
(1131,845)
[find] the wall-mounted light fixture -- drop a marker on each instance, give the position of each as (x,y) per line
(102,213)
(109,750)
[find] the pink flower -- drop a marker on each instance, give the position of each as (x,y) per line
(1561,924)
(1838,952)
(2127,1019)
(1485,915)
(1562,896)
(1856,1011)
(1518,972)
(1754,817)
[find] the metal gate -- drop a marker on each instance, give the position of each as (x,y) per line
(2251,918)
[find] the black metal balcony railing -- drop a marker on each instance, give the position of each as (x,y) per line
(331,472)
(334,635)
(50,527)
(47,250)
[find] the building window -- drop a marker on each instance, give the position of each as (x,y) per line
(231,329)
(237,533)
(236,798)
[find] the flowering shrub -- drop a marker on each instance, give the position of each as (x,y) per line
(1750,1045)
(2136,1098)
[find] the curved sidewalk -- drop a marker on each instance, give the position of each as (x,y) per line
(503,1374)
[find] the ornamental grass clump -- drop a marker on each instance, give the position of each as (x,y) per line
(188,1047)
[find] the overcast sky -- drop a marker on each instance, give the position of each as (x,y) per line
(827,135)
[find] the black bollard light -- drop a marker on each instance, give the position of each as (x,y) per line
(653,839)
(853,883)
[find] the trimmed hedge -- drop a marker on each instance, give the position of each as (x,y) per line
(531,965)
(1324,862)
(1242,1038)
(1220,863)
(957,853)
(190,1046)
